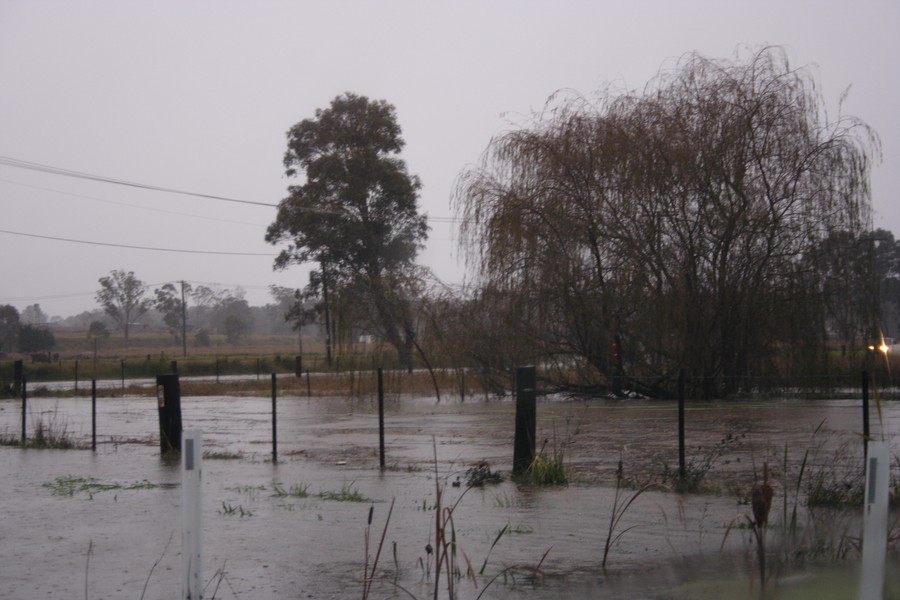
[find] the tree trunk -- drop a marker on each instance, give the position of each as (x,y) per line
(328,331)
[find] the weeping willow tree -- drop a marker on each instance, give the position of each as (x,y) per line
(674,222)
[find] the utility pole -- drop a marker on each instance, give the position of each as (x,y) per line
(328,339)
(299,309)
(183,320)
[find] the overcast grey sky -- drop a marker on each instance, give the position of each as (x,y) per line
(198,95)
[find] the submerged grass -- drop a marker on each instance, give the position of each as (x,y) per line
(222,455)
(230,510)
(620,506)
(347,493)
(545,471)
(70,485)
(51,433)
(294,491)
(693,478)
(446,565)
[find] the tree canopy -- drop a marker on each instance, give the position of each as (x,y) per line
(9,327)
(356,213)
(171,303)
(35,339)
(121,295)
(677,219)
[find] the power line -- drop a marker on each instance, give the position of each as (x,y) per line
(150,248)
(32,166)
(41,168)
(148,286)
(129,205)
(46,297)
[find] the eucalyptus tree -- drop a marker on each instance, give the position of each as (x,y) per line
(121,295)
(672,222)
(9,327)
(171,303)
(355,214)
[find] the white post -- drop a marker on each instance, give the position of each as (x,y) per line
(875,521)
(191,526)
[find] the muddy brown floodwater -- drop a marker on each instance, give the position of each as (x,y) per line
(106,524)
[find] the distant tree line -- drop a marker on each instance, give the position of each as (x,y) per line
(208,312)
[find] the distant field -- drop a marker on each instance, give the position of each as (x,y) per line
(141,343)
(150,353)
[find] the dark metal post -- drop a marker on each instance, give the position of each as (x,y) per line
(526,419)
(681,462)
(381,417)
(123,374)
(298,366)
(94,415)
(462,388)
(217,370)
(865,414)
(168,394)
(618,369)
(274,421)
(183,321)
(24,408)
(76,374)
(174,366)
(18,376)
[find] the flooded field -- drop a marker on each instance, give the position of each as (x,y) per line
(107,524)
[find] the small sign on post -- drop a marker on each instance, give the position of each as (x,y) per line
(191,522)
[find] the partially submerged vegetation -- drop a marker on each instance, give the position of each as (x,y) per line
(71,485)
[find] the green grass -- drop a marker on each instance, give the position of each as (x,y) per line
(545,471)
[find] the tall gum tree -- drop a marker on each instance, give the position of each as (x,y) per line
(356,214)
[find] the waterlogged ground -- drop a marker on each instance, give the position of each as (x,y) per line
(106,524)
